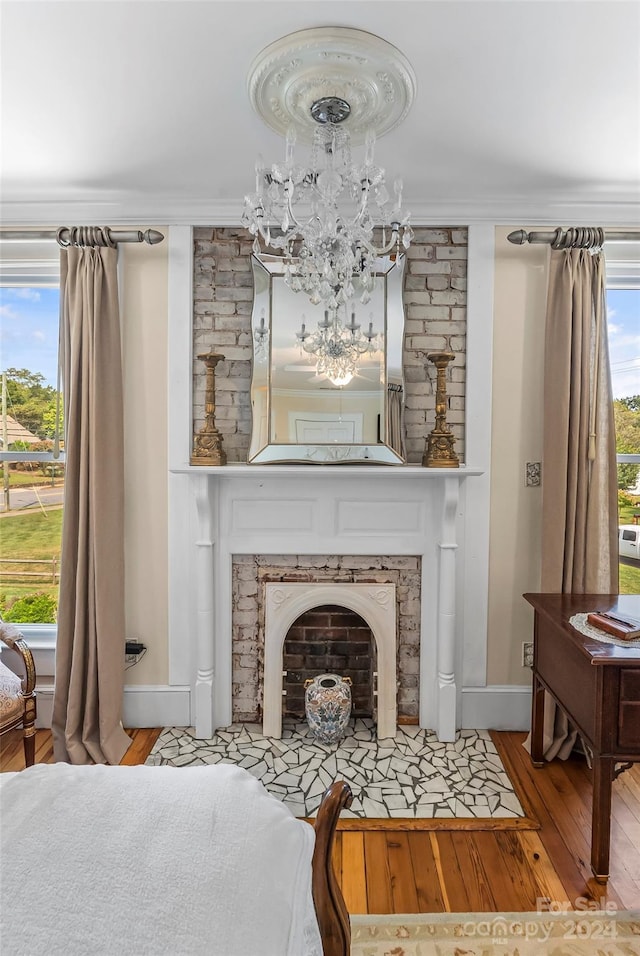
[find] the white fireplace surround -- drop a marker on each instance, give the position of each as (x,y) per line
(375,603)
(297,509)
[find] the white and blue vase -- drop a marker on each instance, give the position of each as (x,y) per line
(327,704)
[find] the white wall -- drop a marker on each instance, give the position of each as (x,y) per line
(514,553)
(144,346)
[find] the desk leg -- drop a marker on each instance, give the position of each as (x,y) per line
(603,768)
(537,723)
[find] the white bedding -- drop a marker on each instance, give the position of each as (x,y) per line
(126,861)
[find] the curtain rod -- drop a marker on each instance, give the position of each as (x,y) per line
(65,235)
(575,238)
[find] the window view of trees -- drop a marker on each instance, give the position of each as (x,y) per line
(32,487)
(624,340)
(627,415)
(32,402)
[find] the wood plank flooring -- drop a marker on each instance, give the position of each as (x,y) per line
(454,870)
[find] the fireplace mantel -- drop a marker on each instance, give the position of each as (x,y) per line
(287,509)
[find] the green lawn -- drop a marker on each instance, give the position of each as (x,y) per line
(34,536)
(626,512)
(629,579)
(20,479)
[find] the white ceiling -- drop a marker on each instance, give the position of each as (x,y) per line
(137,111)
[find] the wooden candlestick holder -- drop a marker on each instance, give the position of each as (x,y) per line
(439,452)
(207,446)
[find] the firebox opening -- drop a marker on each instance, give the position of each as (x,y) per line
(329,639)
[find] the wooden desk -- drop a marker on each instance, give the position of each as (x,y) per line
(598,687)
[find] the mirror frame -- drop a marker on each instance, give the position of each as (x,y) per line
(262,449)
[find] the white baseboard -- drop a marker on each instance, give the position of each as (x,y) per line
(156,705)
(44,704)
(496,707)
(145,705)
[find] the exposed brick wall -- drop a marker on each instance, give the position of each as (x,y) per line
(435,318)
(252,571)
(329,640)
(435,304)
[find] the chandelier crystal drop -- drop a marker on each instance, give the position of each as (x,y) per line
(337,347)
(321,217)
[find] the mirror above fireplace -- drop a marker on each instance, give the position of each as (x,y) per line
(326,388)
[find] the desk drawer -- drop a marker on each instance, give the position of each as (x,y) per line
(630,683)
(629,712)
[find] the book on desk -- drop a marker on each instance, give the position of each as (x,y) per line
(623,626)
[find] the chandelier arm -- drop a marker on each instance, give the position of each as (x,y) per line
(292,215)
(395,235)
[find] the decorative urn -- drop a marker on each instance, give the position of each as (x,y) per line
(327,704)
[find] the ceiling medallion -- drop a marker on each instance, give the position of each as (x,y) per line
(365,71)
(331,87)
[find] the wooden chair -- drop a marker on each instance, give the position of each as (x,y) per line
(17,697)
(331,910)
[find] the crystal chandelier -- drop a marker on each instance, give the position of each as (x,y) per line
(333,88)
(337,347)
(346,200)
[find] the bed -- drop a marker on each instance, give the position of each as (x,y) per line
(163,860)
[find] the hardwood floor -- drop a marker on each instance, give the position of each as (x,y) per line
(494,870)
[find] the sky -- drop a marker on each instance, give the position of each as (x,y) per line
(29,330)
(29,334)
(623,310)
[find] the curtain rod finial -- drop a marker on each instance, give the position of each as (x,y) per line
(152,236)
(519,237)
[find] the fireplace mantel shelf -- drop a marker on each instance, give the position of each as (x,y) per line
(241,470)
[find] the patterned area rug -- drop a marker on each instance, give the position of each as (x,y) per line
(497,934)
(413,776)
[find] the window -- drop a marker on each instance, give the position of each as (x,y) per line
(623,316)
(30,444)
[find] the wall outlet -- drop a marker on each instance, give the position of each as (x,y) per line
(527,653)
(533,474)
(133,651)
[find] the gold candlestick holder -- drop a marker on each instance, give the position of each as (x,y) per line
(207,446)
(439,452)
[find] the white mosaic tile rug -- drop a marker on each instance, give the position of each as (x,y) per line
(411,777)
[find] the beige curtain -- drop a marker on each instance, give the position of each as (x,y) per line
(91,634)
(580,503)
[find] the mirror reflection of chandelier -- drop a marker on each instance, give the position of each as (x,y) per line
(337,347)
(261,340)
(333,87)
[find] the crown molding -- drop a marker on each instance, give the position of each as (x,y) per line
(163,211)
